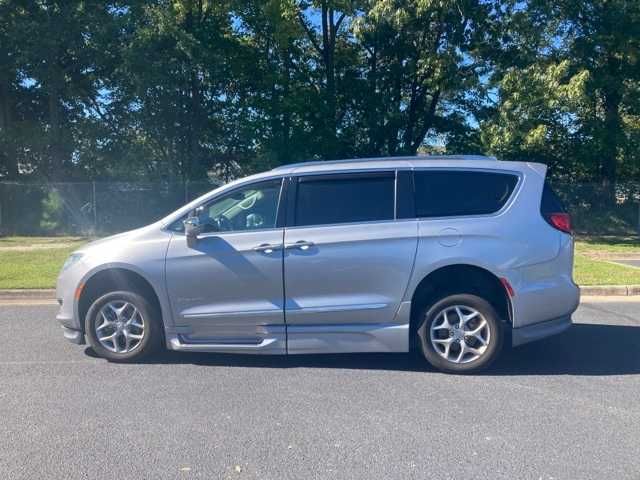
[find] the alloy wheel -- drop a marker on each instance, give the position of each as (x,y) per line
(119,327)
(460,334)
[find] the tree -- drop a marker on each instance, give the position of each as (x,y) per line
(333,14)
(423,63)
(582,59)
(8,76)
(183,89)
(175,84)
(539,117)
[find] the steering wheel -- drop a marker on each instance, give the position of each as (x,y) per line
(223,223)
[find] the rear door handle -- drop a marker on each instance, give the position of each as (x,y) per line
(300,244)
(266,248)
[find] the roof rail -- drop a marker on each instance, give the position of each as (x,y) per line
(405,158)
(457,157)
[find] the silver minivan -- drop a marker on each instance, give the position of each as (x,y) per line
(445,256)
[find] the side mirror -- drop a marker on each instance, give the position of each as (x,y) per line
(192,229)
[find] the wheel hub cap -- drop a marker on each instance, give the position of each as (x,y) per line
(460,334)
(119,327)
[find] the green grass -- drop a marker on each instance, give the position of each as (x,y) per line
(39,267)
(29,241)
(595,245)
(591,270)
(35,267)
(588,271)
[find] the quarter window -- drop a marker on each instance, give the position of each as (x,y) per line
(456,193)
(550,203)
(345,198)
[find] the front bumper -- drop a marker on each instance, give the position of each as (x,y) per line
(68,282)
(68,324)
(538,331)
(74,336)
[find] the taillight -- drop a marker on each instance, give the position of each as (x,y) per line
(561,221)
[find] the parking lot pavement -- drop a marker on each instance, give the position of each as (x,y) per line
(566,407)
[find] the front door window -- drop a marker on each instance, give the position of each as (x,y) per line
(254,207)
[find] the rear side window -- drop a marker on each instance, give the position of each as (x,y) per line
(550,203)
(441,193)
(348,198)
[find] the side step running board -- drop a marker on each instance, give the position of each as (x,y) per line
(266,345)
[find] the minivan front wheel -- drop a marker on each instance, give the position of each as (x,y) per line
(122,326)
(460,333)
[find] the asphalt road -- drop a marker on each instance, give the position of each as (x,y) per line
(564,408)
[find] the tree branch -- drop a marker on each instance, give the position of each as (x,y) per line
(310,33)
(335,29)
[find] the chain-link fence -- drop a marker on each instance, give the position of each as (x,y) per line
(89,208)
(598,209)
(100,208)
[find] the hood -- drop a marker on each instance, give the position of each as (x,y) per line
(115,240)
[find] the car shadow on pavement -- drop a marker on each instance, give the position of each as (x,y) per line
(585,349)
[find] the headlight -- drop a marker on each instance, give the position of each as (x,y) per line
(73,258)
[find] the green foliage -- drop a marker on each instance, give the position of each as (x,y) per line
(539,114)
(568,87)
(52,213)
(184,89)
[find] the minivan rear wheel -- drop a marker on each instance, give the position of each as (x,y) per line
(460,334)
(123,327)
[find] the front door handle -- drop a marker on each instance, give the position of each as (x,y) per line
(266,248)
(300,244)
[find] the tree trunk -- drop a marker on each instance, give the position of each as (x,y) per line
(427,123)
(286,120)
(611,96)
(611,137)
(328,47)
(372,107)
(54,168)
(7,142)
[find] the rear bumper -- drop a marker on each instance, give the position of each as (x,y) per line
(537,331)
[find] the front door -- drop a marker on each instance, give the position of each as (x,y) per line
(226,291)
(347,264)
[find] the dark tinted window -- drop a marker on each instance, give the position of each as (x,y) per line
(550,201)
(449,193)
(344,198)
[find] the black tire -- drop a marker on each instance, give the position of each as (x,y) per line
(151,335)
(495,331)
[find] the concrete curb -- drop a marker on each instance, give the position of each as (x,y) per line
(611,255)
(28,294)
(595,290)
(610,290)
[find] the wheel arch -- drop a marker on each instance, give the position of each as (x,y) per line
(114,278)
(454,279)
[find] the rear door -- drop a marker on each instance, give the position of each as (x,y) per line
(347,263)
